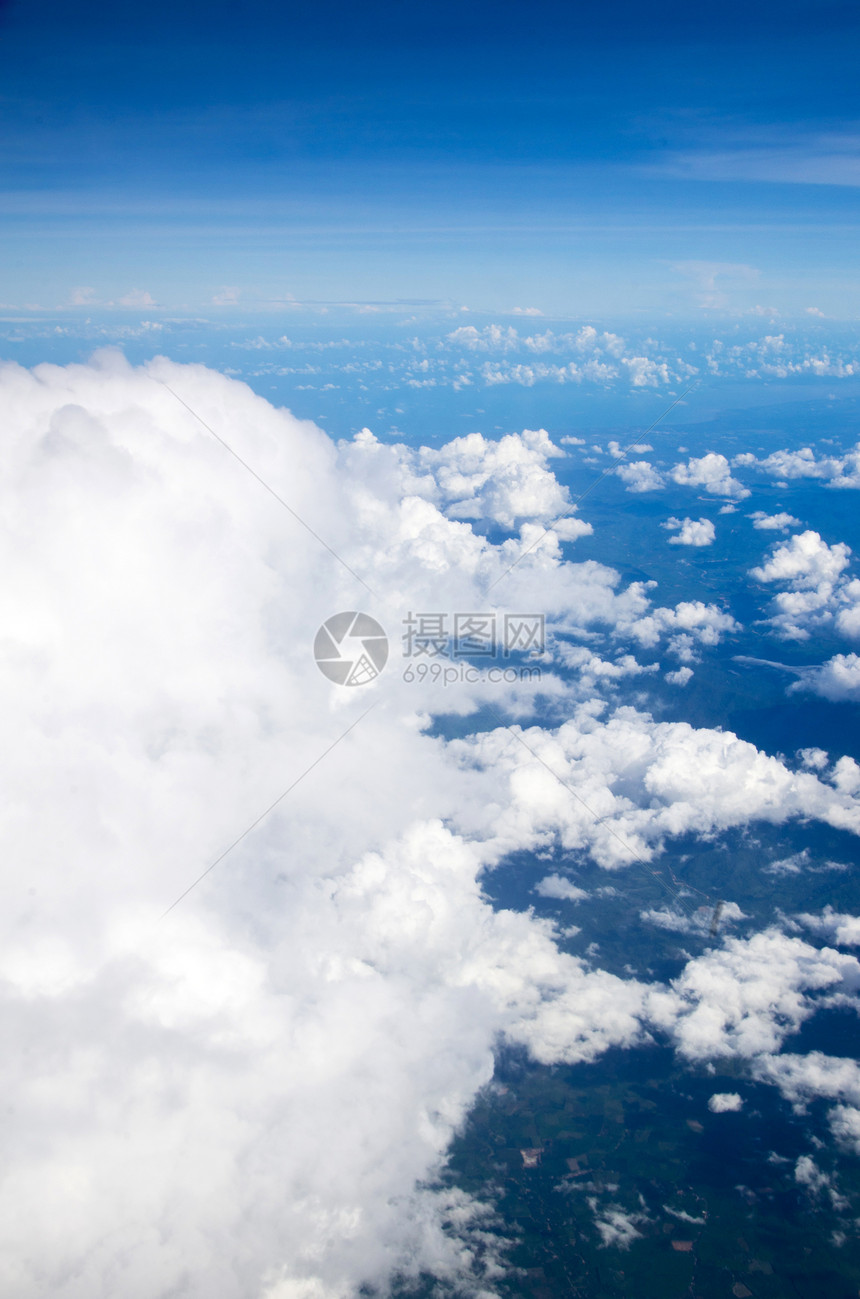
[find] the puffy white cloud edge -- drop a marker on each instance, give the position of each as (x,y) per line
(254,1095)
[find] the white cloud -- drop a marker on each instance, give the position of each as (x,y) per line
(527,375)
(273,1074)
(556,886)
(846,775)
(503,481)
(491,337)
(808,1174)
(638,781)
(678,921)
(792,865)
(645,372)
(692,532)
(844,930)
(777,356)
(836,471)
(844,1123)
(616,1227)
(683,1216)
(691,619)
(699,922)
(680,677)
(640,476)
(592,669)
(803,1078)
(584,357)
(774,522)
(474,477)
(237,1073)
(570,528)
(815,1076)
(712,472)
(818,594)
(838,679)
(805,560)
(725,1103)
(746,998)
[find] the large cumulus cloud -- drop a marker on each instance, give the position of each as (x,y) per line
(251,1096)
(818,593)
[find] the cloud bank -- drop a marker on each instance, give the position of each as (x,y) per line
(253,1094)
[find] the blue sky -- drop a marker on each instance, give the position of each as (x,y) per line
(667,159)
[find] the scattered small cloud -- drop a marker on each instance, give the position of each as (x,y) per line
(680,677)
(773,522)
(556,886)
(691,532)
(725,1103)
(640,476)
(712,472)
(615,1226)
(837,680)
(816,591)
(840,928)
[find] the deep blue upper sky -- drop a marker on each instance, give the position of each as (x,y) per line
(645,158)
